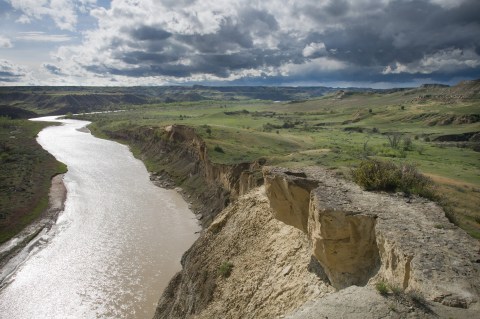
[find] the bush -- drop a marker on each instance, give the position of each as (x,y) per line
(407,144)
(376,175)
(218,149)
(387,176)
(225,269)
(394,139)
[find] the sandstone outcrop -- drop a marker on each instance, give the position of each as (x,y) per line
(273,272)
(361,237)
(289,195)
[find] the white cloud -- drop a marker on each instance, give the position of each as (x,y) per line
(449,60)
(5,42)
(395,69)
(43,37)
(24,19)
(317,65)
(314,49)
(448,3)
(62,12)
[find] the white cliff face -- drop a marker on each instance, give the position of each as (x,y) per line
(273,272)
(289,200)
(360,237)
(343,242)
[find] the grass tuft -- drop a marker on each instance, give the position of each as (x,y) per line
(382,288)
(225,269)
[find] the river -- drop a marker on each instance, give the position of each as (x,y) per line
(115,246)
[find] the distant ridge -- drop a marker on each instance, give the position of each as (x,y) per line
(61,100)
(433,85)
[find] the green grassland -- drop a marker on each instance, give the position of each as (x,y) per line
(338,131)
(26,170)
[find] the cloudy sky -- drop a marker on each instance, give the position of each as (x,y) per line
(373,43)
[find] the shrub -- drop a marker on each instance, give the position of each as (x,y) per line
(225,269)
(379,175)
(376,175)
(382,288)
(394,139)
(218,149)
(407,144)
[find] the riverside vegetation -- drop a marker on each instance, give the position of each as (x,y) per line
(25,173)
(435,129)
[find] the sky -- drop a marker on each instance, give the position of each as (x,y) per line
(338,43)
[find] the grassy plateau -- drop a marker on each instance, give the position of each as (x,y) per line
(433,128)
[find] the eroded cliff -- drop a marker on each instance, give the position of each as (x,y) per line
(181,157)
(272,274)
(362,237)
(327,265)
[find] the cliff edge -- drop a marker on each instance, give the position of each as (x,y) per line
(180,158)
(308,244)
(272,272)
(363,238)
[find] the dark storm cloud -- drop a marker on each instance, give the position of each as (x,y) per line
(337,8)
(228,37)
(404,32)
(373,40)
(150,33)
(10,72)
(230,48)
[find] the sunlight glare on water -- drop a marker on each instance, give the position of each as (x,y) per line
(115,247)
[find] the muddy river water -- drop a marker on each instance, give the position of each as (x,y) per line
(116,245)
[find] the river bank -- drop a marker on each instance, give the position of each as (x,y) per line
(16,250)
